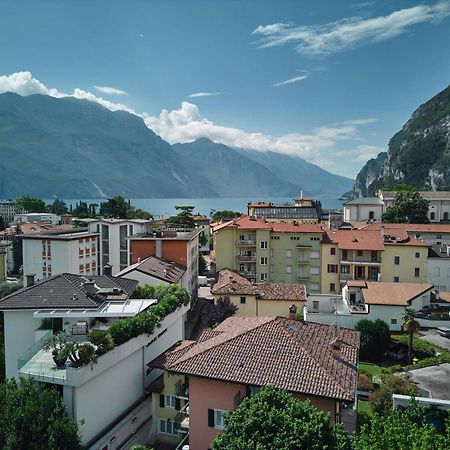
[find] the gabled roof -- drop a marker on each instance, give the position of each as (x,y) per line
(160,268)
(355,239)
(365,201)
(67,291)
(288,354)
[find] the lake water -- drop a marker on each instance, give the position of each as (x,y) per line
(164,207)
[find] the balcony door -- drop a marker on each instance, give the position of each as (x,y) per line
(57,325)
(360,272)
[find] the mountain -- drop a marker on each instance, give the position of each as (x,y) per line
(313,180)
(419,154)
(69,148)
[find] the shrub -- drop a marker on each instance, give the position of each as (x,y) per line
(365,382)
(102,340)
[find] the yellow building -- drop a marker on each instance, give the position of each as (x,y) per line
(259,299)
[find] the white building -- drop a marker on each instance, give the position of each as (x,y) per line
(48,254)
(362,209)
(113,242)
(7,209)
(431,233)
(107,398)
(439,267)
(47,218)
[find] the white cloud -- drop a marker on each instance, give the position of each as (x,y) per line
(367,121)
(291,80)
(350,32)
(203,94)
(110,90)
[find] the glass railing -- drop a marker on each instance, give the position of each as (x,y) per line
(33,350)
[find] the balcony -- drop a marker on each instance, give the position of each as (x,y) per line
(183,418)
(303,276)
(246,243)
(349,276)
(247,274)
(246,258)
(304,260)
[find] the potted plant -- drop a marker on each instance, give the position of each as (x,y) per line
(82,354)
(56,343)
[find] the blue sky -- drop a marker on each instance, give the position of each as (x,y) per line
(330,81)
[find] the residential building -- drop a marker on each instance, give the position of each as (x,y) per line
(107,398)
(114,247)
(178,246)
(438,203)
(153,270)
(370,300)
(439,267)
(283,253)
(259,299)
(303,210)
(46,218)
(203,223)
(8,209)
(372,253)
(363,208)
(312,361)
(48,254)
(431,233)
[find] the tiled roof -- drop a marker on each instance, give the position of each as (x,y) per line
(65,291)
(288,354)
(231,283)
(428,195)
(444,297)
(356,239)
(171,355)
(200,217)
(160,268)
(428,227)
(393,294)
(365,201)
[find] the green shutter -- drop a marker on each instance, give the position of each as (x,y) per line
(211,418)
(161,400)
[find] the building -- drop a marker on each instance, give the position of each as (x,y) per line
(438,203)
(114,247)
(431,233)
(48,254)
(243,354)
(259,299)
(3,262)
(283,253)
(304,210)
(370,300)
(7,209)
(179,246)
(153,270)
(439,267)
(372,253)
(46,218)
(363,208)
(107,398)
(203,223)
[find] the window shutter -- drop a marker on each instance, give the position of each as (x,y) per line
(161,400)
(177,403)
(211,418)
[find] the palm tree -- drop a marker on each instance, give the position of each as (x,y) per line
(411,326)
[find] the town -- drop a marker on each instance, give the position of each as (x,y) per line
(169,333)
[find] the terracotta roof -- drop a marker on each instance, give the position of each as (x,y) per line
(357,283)
(171,355)
(231,283)
(393,294)
(428,227)
(444,296)
(288,354)
(356,239)
(200,217)
(160,268)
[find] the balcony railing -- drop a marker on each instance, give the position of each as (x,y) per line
(246,242)
(360,260)
(247,274)
(302,276)
(303,260)
(246,258)
(349,276)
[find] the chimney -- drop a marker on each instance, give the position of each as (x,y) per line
(336,348)
(293,312)
(107,270)
(139,260)
(30,280)
(89,287)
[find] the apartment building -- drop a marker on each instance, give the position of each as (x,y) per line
(285,253)
(48,254)
(45,218)
(7,209)
(439,267)
(363,208)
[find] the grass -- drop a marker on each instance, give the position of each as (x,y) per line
(364,407)
(371,369)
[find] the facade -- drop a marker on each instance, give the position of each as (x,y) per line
(46,218)
(362,209)
(48,254)
(369,300)
(178,246)
(309,360)
(7,209)
(303,210)
(259,299)
(107,398)
(431,233)
(439,267)
(270,252)
(114,247)
(203,223)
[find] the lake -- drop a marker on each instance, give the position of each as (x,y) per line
(164,207)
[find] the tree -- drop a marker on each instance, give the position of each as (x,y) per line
(375,338)
(408,207)
(33,417)
(201,264)
(58,207)
(2,223)
(118,207)
(30,204)
(17,245)
(225,214)
(183,218)
(411,326)
(81,210)
(215,313)
(274,420)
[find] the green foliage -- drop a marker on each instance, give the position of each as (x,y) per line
(217,216)
(117,207)
(215,313)
(17,247)
(169,299)
(400,187)
(402,429)
(274,420)
(201,264)
(375,338)
(33,417)
(426,362)
(419,345)
(55,343)
(58,207)
(408,207)
(140,447)
(80,354)
(183,218)
(9,288)
(2,223)
(102,340)
(30,204)
(411,326)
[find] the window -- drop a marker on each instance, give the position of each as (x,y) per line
(432,216)
(416,272)
(243,300)
(439,236)
(316,270)
(241,237)
(397,260)
(359,253)
(168,427)
(315,254)
(396,279)
(371,215)
(263,244)
(314,287)
(332,287)
(288,269)
(332,268)
(263,276)
(315,305)
(332,250)
(263,261)
(289,253)
(446,216)
(436,272)
(345,269)
(393,321)
(417,255)
(170,401)
(215,418)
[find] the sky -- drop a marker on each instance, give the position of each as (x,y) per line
(329,81)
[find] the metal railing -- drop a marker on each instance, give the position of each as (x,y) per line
(246,258)
(246,242)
